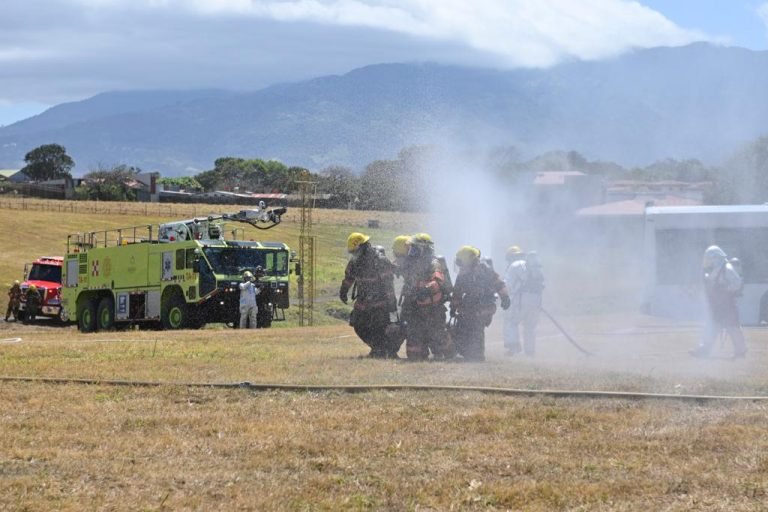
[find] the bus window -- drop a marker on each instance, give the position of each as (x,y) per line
(750,246)
(678,255)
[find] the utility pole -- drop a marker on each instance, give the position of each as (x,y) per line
(306,281)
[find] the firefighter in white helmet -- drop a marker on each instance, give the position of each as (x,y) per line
(525,283)
(722,285)
(248,307)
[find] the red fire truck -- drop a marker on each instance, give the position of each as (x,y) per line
(45,274)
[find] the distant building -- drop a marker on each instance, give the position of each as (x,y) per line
(5,174)
(651,190)
(621,223)
(147,189)
(16,176)
(559,194)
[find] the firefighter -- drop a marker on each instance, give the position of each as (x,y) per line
(263,299)
(473,302)
(426,288)
(400,252)
(525,284)
(34,300)
(369,276)
(397,329)
(249,310)
(14,299)
(722,285)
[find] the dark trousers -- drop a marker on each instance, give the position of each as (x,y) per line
(371,326)
(469,336)
(426,333)
(13,309)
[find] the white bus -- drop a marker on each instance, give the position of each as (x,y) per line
(675,240)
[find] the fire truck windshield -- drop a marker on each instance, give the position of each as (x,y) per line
(236,260)
(45,273)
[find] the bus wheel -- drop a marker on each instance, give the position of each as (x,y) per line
(86,318)
(174,313)
(105,314)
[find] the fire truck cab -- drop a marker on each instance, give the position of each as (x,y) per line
(45,274)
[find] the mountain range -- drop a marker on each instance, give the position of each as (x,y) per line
(699,101)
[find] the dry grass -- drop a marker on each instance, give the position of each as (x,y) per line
(73,447)
(99,447)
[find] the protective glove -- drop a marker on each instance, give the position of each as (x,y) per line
(343,297)
(505,302)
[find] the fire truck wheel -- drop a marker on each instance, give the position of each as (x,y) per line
(86,319)
(105,314)
(174,313)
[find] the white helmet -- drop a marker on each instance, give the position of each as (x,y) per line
(713,256)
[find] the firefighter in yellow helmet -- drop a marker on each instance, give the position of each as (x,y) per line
(369,276)
(400,251)
(14,299)
(473,302)
(33,302)
(525,283)
(426,288)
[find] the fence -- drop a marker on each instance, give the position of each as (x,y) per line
(173,210)
(392,220)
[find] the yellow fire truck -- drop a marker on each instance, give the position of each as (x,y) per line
(183,275)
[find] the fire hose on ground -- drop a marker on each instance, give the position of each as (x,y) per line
(363,388)
(565,333)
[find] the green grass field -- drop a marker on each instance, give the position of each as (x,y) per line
(183,446)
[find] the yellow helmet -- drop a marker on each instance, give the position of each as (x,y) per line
(399,245)
(355,240)
(421,240)
(467,255)
(247,275)
(32,287)
(16,281)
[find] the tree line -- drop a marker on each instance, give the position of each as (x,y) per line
(401,184)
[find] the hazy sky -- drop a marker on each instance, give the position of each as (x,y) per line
(52,51)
